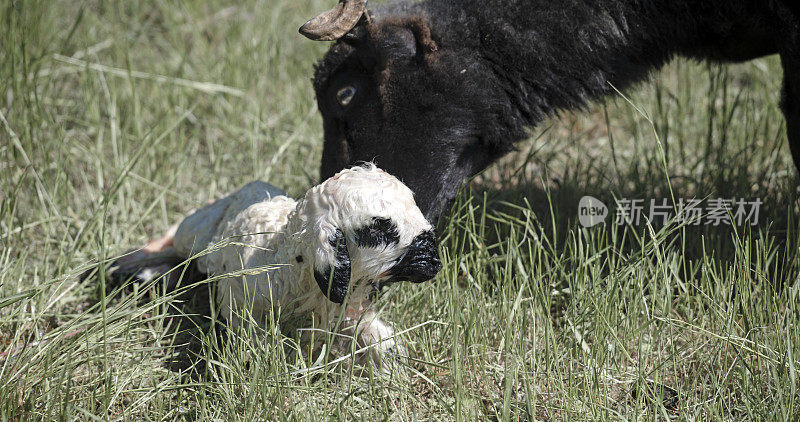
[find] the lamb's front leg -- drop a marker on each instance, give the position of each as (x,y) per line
(360,330)
(385,348)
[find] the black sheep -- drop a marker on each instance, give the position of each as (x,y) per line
(435,91)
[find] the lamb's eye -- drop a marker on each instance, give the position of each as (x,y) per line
(382,231)
(345,95)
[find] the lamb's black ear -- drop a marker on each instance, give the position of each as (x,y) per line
(334,280)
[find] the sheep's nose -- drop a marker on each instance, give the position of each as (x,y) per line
(420,262)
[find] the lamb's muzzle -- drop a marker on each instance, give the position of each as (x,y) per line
(420,262)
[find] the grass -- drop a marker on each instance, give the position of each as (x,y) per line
(116,118)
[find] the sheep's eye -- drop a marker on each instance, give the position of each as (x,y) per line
(345,95)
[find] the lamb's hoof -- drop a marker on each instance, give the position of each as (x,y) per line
(394,358)
(389,358)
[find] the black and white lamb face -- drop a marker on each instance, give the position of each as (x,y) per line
(364,231)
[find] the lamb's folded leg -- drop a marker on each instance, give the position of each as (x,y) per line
(158,259)
(385,349)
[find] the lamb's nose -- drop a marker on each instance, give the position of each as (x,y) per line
(421,261)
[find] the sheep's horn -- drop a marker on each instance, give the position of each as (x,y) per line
(335,23)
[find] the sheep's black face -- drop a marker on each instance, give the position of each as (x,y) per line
(420,113)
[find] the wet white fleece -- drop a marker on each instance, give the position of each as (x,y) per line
(265,246)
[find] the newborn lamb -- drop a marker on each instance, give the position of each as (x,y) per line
(316,262)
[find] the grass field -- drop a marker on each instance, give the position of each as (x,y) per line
(118,117)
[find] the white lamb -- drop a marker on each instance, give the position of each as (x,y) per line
(320,259)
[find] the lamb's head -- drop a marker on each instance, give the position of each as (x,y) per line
(362,229)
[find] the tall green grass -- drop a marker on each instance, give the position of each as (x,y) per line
(116,118)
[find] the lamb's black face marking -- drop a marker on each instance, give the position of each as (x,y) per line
(334,282)
(381,232)
(420,262)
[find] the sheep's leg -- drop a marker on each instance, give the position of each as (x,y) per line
(388,349)
(154,256)
(163,243)
(157,259)
(359,331)
(385,348)
(790,103)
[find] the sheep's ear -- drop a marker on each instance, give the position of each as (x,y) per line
(334,278)
(357,36)
(408,38)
